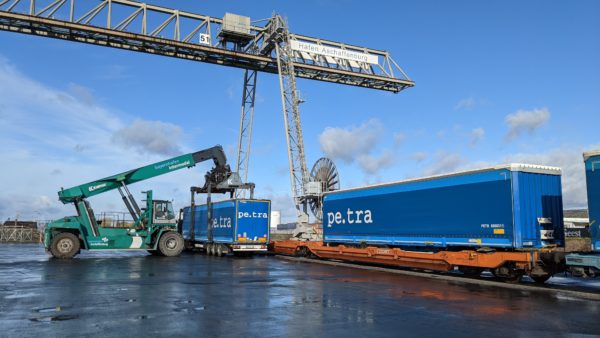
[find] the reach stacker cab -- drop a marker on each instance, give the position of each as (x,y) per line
(154,227)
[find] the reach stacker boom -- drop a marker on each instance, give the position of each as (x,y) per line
(154,227)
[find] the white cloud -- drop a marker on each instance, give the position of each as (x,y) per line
(82,93)
(399,139)
(419,157)
(476,135)
(153,137)
(356,144)
(347,144)
(444,162)
(52,138)
(466,103)
(373,164)
(526,121)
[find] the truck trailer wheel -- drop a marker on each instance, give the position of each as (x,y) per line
(170,244)
(64,245)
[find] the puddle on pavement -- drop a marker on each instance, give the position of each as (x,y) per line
(190,309)
(306,301)
(21,295)
(182,308)
(52,318)
(50,309)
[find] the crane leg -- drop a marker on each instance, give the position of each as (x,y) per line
(245,136)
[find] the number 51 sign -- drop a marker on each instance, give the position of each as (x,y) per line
(205,39)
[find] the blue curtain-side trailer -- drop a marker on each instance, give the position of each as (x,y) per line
(236,226)
(511,207)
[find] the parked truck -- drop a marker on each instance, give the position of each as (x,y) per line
(154,227)
(238,226)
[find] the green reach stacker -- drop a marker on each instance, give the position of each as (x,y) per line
(154,228)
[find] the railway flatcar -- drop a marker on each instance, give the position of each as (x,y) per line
(506,219)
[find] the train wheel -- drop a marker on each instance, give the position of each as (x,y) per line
(470,271)
(590,272)
(508,274)
(302,252)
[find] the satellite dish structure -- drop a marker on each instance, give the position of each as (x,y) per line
(325,172)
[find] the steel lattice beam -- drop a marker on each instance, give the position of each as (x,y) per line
(95,22)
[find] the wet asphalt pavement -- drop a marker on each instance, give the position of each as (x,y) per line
(132,294)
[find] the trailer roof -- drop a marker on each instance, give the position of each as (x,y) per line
(529,168)
(588,154)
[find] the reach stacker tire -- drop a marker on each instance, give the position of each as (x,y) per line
(64,245)
(170,244)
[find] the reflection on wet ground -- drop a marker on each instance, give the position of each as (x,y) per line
(130,293)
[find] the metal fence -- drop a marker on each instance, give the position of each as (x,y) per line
(19,234)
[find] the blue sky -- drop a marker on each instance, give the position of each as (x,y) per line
(496,82)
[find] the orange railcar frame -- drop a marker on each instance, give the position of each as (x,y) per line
(441,260)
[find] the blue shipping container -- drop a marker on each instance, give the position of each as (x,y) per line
(592,174)
(233,222)
(511,206)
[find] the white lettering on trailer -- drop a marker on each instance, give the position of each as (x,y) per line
(352,217)
(253,214)
(221,222)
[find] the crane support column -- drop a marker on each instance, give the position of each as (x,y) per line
(245,136)
(291,115)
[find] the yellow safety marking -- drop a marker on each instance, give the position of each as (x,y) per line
(498,231)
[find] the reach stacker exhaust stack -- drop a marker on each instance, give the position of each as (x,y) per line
(154,227)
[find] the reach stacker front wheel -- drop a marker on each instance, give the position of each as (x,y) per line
(170,244)
(64,245)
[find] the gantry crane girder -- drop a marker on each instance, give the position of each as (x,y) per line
(271,48)
(153,29)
